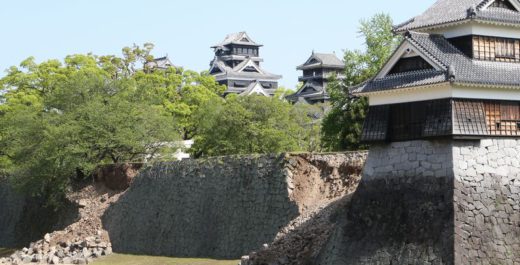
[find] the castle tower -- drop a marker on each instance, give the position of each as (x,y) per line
(442,181)
(316,72)
(237,65)
(161,63)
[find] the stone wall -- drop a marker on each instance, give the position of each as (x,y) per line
(433,202)
(487,201)
(224,207)
(24,219)
(401,212)
(11,208)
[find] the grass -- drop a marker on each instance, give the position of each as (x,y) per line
(6,252)
(120,259)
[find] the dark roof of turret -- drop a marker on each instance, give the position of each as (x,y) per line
(160,62)
(452,11)
(456,67)
(320,60)
(240,38)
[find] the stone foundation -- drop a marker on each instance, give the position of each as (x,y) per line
(11,209)
(433,202)
(487,202)
(24,219)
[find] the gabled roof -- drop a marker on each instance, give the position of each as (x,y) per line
(310,85)
(454,11)
(161,63)
(217,67)
(309,90)
(455,67)
(240,38)
(255,88)
(321,60)
(248,63)
(237,72)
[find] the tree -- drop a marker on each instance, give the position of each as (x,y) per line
(58,121)
(342,127)
(309,117)
(248,125)
(282,92)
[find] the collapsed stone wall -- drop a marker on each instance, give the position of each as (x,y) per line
(225,207)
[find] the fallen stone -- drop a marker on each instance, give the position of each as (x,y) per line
(107,251)
(82,203)
(27,259)
(80,261)
(47,238)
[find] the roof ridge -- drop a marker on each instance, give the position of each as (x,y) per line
(400,25)
(411,32)
(414,72)
(425,51)
(445,12)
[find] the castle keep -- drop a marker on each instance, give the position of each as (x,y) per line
(441,184)
(317,71)
(237,65)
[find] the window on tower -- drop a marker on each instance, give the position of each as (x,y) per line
(496,49)
(505,48)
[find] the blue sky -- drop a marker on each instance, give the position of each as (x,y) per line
(289,29)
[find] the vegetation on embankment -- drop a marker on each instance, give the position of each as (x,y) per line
(59,120)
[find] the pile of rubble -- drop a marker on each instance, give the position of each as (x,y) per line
(77,252)
(300,242)
(80,242)
(322,187)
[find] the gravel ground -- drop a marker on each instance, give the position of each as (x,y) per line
(119,259)
(5,252)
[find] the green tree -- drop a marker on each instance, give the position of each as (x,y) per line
(309,117)
(248,125)
(283,92)
(342,127)
(58,121)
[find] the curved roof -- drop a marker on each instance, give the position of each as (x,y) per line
(452,11)
(456,68)
(240,38)
(321,60)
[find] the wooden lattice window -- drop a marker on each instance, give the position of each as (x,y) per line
(503,117)
(510,111)
(496,49)
(505,48)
